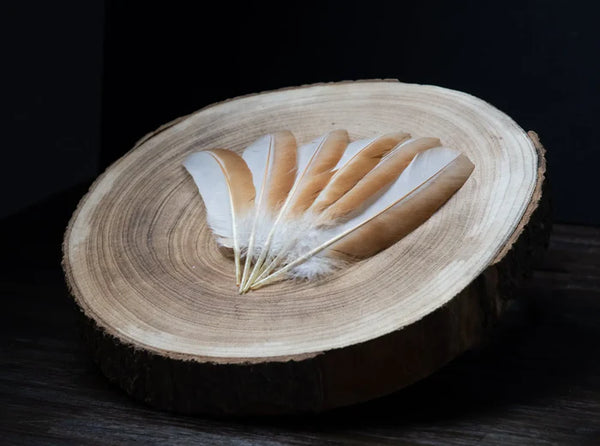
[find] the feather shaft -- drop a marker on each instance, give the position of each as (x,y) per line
(316,162)
(362,174)
(272,161)
(429,181)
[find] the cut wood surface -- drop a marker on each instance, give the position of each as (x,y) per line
(164,318)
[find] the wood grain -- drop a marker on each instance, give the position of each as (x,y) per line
(164,318)
(535,381)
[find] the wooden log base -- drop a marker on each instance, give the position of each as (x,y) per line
(162,314)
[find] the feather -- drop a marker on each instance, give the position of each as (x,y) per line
(315,166)
(406,215)
(377,179)
(431,178)
(272,161)
(358,159)
(225,184)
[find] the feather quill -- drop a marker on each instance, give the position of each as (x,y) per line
(316,162)
(225,184)
(431,178)
(357,160)
(272,161)
(367,184)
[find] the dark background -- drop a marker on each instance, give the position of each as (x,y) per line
(84,80)
(81,81)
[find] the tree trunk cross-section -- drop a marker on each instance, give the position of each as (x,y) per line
(162,314)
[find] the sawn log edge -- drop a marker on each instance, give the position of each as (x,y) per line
(333,378)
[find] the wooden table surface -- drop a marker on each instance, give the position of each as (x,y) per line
(535,381)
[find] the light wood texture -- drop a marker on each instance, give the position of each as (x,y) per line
(163,314)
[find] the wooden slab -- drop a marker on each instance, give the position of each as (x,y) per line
(163,315)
